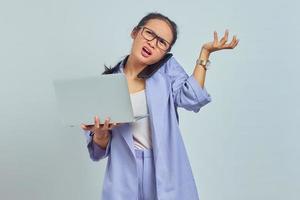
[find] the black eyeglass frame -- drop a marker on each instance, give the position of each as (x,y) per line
(155,36)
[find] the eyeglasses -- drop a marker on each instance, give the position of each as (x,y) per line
(150,35)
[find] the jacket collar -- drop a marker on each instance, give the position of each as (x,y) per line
(148,71)
(122,64)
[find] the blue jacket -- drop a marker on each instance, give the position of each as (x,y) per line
(168,88)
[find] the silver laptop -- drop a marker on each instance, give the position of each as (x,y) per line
(80,99)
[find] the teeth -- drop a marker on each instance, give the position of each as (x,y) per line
(146,50)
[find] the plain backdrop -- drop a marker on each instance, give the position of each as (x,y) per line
(242,145)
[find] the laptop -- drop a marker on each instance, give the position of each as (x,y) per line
(79,100)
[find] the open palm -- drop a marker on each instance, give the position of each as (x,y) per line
(219,45)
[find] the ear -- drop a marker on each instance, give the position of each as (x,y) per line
(134,33)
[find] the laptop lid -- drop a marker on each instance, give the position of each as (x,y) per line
(80,99)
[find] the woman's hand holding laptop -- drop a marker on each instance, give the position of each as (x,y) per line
(101,132)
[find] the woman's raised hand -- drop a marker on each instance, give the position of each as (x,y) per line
(219,45)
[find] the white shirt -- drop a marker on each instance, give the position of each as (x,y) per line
(141,128)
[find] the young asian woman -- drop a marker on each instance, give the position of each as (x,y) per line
(159,168)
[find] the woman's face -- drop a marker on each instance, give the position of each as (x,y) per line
(145,51)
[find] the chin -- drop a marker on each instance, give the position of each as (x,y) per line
(142,59)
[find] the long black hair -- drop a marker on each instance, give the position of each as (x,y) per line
(143,21)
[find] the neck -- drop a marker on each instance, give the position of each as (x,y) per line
(133,67)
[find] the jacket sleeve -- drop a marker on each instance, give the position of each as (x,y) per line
(187,92)
(95,151)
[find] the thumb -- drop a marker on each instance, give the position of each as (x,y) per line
(83,127)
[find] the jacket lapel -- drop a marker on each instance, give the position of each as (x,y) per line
(153,100)
(126,129)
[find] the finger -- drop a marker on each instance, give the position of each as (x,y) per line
(88,127)
(231,44)
(116,124)
(97,121)
(84,127)
(215,38)
(106,123)
(225,38)
(236,42)
(111,126)
(233,40)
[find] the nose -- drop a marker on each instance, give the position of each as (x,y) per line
(152,43)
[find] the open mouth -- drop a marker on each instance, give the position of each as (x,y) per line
(146,51)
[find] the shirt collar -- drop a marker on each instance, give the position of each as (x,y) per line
(149,70)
